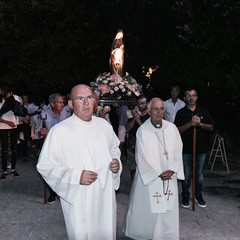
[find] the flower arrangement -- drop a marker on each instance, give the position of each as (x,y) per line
(116,87)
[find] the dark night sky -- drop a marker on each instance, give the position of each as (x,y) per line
(49,46)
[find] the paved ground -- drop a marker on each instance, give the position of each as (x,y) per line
(23,215)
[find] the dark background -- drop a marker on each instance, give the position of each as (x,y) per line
(49,46)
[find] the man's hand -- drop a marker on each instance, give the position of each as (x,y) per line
(166,175)
(88,177)
(196,120)
(114,166)
(43,132)
(136,116)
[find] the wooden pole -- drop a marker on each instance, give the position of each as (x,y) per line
(194,168)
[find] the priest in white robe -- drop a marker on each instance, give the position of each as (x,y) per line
(153,211)
(80,160)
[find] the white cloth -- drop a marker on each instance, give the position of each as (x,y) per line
(72,146)
(145,217)
(171,109)
(9,116)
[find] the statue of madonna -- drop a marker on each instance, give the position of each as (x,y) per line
(116,60)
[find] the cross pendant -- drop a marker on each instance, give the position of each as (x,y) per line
(169,193)
(157,195)
(166,154)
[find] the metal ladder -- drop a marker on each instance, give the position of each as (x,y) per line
(218,151)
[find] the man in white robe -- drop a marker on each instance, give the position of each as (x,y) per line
(153,204)
(80,160)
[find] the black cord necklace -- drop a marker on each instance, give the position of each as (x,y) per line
(163,144)
(165,192)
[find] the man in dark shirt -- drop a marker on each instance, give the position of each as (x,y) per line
(8,130)
(190,117)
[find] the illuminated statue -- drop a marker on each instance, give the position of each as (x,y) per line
(116,60)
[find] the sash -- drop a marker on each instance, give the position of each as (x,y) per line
(163,195)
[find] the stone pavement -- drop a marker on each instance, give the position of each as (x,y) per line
(24,216)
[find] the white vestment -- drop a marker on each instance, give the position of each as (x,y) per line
(152,212)
(72,146)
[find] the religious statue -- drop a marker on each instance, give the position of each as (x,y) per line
(116,86)
(116,60)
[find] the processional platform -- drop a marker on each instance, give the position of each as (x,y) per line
(118,102)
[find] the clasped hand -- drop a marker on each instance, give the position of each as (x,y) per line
(166,175)
(196,120)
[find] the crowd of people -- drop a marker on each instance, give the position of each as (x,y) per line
(21,124)
(80,158)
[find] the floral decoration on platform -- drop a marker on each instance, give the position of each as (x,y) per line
(116,87)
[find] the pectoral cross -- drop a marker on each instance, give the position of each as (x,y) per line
(166,154)
(157,195)
(169,193)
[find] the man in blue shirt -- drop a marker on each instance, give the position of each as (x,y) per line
(51,116)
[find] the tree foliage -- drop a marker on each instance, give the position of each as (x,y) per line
(51,45)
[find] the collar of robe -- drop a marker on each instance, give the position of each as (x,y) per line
(159,125)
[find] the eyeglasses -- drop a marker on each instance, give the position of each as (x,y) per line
(81,99)
(155,109)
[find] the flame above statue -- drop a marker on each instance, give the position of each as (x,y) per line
(116,85)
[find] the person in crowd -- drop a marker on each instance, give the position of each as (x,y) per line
(49,117)
(139,116)
(24,131)
(153,211)
(101,111)
(8,130)
(34,108)
(80,160)
(66,109)
(173,104)
(190,117)
(36,123)
(122,116)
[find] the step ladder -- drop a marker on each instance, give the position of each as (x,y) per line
(218,151)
